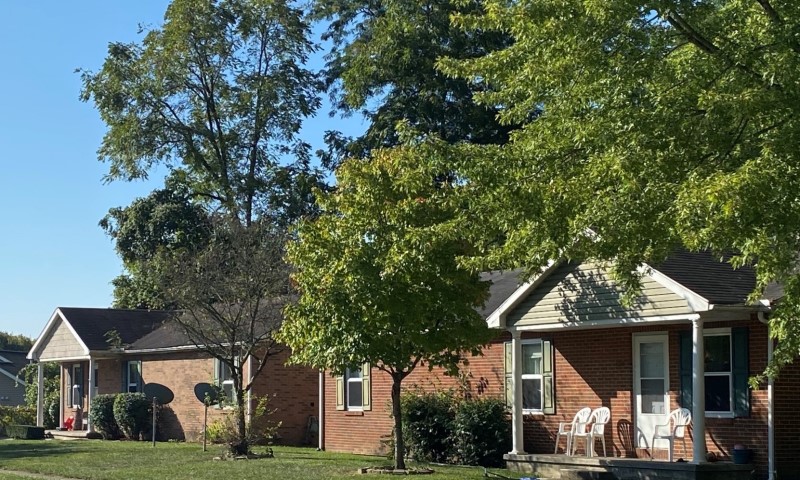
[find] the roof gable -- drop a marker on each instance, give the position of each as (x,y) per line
(90,329)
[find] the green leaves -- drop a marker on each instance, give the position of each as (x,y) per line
(379,282)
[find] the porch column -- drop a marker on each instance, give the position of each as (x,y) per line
(89,426)
(517,438)
(40,395)
(698,393)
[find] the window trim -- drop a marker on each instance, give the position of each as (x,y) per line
(76,380)
(721,332)
(137,382)
(534,376)
(348,379)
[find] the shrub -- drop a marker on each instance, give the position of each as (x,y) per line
(259,430)
(102,416)
(25,432)
(428,425)
(482,432)
(17,415)
(133,414)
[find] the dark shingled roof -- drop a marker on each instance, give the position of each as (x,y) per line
(503,285)
(12,361)
(92,324)
(710,276)
(168,335)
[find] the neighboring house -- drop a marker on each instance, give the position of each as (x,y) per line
(569,341)
(12,386)
(104,351)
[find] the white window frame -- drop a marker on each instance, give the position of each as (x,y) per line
(133,382)
(534,376)
(721,332)
(353,379)
(223,381)
(75,382)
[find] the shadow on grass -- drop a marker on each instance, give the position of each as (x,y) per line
(13,449)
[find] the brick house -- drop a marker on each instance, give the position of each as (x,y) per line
(113,350)
(567,338)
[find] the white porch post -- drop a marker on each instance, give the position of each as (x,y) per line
(698,393)
(517,443)
(40,395)
(89,426)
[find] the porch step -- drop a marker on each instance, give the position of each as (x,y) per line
(585,473)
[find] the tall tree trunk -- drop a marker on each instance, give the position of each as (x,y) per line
(241,447)
(399,445)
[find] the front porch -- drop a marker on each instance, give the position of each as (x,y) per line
(613,468)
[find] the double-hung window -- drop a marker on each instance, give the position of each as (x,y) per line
(353,389)
(532,376)
(224,379)
(133,377)
(718,372)
(536,376)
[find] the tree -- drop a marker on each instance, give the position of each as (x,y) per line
(378,282)
(658,126)
(382,65)
(218,94)
(163,222)
(230,297)
(17,343)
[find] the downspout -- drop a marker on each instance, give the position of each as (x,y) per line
(770,402)
(321,419)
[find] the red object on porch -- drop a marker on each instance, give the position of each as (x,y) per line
(68,423)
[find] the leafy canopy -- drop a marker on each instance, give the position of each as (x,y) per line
(660,125)
(219,93)
(377,280)
(382,64)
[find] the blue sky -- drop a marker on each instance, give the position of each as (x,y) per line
(52,253)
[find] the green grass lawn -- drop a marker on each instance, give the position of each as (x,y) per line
(105,460)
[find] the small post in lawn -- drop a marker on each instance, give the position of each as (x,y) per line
(205,425)
(155,406)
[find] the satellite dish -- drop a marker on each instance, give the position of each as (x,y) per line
(205,391)
(162,393)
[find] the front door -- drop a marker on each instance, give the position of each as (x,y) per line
(650,385)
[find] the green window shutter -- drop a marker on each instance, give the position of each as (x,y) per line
(507,368)
(548,383)
(366,387)
(340,392)
(740,371)
(686,368)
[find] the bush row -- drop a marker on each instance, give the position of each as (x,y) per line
(128,414)
(443,427)
(17,415)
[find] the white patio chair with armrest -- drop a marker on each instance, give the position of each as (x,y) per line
(679,420)
(598,420)
(566,429)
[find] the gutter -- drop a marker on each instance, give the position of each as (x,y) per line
(762,317)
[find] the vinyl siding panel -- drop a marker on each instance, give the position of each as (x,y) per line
(60,344)
(10,392)
(584,292)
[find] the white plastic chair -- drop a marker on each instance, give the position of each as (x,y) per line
(598,420)
(566,429)
(679,419)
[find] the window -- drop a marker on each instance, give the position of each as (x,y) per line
(727,370)
(719,375)
(224,380)
(532,376)
(353,389)
(76,385)
(536,377)
(133,377)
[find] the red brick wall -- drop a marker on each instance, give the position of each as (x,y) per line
(363,432)
(592,368)
(293,391)
(786,394)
